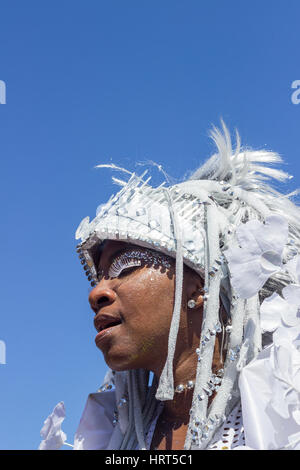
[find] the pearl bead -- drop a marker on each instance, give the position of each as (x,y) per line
(190,385)
(191,303)
(180,388)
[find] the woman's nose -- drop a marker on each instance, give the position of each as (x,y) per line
(101,296)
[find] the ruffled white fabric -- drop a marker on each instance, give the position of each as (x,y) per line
(283,310)
(265,428)
(258,254)
(52,434)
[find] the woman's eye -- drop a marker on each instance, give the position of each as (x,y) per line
(127,270)
(122,265)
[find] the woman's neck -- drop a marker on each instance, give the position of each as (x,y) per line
(185,368)
(185,372)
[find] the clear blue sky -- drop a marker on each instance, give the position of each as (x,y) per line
(87,82)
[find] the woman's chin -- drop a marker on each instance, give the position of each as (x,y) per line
(121,363)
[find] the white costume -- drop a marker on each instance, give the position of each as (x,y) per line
(96,426)
(242,237)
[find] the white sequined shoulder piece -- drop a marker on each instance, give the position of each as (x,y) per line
(231,434)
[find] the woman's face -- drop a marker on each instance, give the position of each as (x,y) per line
(137,301)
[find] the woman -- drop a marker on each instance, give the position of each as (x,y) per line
(190,282)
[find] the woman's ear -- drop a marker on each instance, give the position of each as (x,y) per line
(193,290)
(196,300)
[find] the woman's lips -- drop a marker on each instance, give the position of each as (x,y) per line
(105,334)
(103,321)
